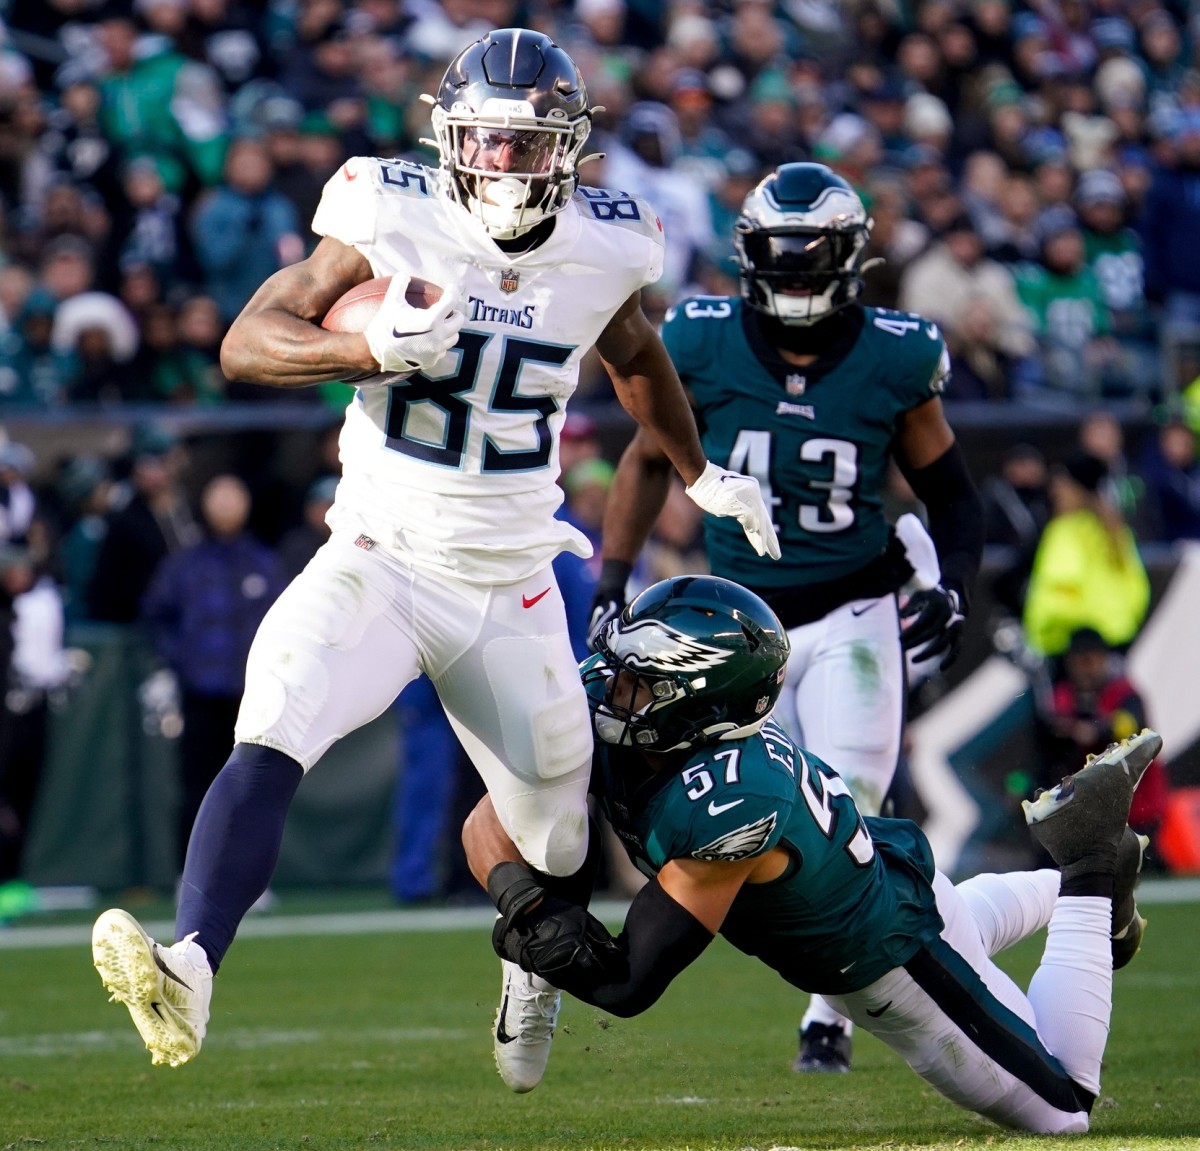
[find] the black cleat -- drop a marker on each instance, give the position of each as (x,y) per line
(1082,821)
(823,1047)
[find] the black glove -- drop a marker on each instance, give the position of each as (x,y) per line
(564,944)
(938,624)
(610,597)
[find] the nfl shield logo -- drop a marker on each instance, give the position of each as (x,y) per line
(795,384)
(509,280)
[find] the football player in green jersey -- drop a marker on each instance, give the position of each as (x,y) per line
(744,833)
(802,387)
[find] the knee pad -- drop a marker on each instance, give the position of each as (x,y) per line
(550,827)
(286,689)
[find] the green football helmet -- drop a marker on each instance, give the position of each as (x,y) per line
(712,654)
(799,242)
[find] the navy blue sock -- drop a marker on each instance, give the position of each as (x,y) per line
(234,845)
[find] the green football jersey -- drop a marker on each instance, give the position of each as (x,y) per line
(855,901)
(817,439)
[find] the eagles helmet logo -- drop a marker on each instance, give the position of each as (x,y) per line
(650,645)
(739,844)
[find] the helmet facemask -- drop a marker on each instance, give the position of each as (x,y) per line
(800,277)
(509,171)
(623,725)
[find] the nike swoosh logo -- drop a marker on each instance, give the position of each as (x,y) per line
(877,1014)
(715,808)
(863,610)
(503,1036)
(155,1006)
(404,335)
(349,172)
(168,972)
(527,601)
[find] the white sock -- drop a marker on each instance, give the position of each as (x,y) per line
(820,1012)
(1071,991)
(1009,907)
(193,952)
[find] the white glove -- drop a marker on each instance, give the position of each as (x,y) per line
(722,493)
(407,339)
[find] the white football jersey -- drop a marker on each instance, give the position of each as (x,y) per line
(456,469)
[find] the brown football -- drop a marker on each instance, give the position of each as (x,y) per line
(354,310)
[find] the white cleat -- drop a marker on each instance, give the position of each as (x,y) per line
(167,989)
(524,1027)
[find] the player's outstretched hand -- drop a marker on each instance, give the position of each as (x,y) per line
(723,493)
(563,943)
(407,339)
(937,622)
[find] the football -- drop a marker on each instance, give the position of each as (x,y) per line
(357,307)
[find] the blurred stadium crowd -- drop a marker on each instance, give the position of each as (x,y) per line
(1032,168)
(1033,171)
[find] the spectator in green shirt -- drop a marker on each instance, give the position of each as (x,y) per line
(1113,251)
(1067,308)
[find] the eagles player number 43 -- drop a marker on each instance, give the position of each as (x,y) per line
(751,455)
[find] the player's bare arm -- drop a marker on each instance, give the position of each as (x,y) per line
(706,889)
(923,435)
(648,386)
(277,339)
(639,491)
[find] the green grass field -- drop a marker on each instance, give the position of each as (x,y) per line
(383,1041)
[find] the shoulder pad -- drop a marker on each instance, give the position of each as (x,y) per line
(407,178)
(349,205)
(919,354)
(347,209)
(610,206)
(737,802)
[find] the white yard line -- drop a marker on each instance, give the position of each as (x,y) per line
(30,937)
(19,938)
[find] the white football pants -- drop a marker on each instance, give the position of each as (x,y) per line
(358,624)
(970,1032)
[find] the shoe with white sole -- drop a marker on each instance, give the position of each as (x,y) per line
(524,1027)
(167,989)
(1081,822)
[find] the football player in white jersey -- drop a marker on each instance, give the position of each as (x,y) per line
(443,527)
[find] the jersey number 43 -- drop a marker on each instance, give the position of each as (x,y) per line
(833,511)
